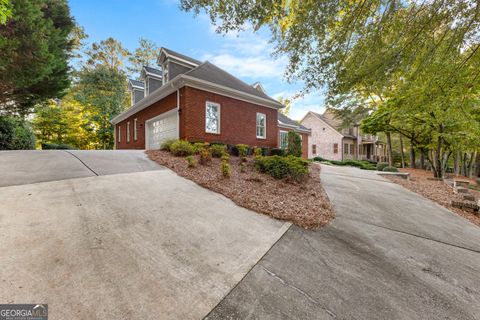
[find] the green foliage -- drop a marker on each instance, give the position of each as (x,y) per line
(242,150)
(199,146)
(289,167)
(145,55)
(56,146)
(390,169)
(225,157)
(217,150)
(15,134)
(257,152)
(242,167)
(205,156)
(319,159)
(181,148)
(381,166)
(294,144)
(109,53)
(103,92)
(287,103)
(34,50)
(5,11)
(277,152)
(166,144)
(192,162)
(225,169)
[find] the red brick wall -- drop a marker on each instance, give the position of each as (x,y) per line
(304,141)
(164,105)
(237,120)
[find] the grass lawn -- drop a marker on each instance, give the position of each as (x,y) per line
(304,203)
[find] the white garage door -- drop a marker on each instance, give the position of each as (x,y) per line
(161,128)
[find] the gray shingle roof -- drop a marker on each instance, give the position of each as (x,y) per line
(137,83)
(153,71)
(181,56)
(211,73)
(286,120)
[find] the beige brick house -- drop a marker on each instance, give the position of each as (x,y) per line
(330,141)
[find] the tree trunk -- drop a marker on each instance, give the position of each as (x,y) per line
(470,165)
(437,163)
(389,147)
(412,155)
(422,159)
(464,164)
(401,151)
(477,170)
(456,163)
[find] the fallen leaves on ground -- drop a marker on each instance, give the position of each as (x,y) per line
(305,204)
(437,191)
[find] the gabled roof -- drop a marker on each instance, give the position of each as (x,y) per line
(168,53)
(211,73)
(136,84)
(149,71)
(283,119)
(257,85)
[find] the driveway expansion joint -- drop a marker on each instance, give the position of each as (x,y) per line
(86,166)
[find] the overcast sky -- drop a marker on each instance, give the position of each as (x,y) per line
(246,55)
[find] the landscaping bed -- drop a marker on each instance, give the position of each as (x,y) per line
(438,191)
(304,203)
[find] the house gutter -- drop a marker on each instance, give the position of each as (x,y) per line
(178,113)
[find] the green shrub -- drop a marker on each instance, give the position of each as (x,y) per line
(478,181)
(390,169)
(217,150)
(337,163)
(225,157)
(205,156)
(290,167)
(277,152)
(381,165)
(257,152)
(225,169)
(242,167)
(55,146)
(294,144)
(199,146)
(181,148)
(165,145)
(242,150)
(319,159)
(15,134)
(192,162)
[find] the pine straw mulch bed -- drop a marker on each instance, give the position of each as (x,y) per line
(305,204)
(437,191)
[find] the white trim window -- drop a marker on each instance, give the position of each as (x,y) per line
(135,129)
(119,133)
(283,139)
(128,131)
(212,117)
(261,125)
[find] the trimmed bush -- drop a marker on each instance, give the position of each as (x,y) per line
(225,169)
(15,134)
(242,150)
(257,152)
(289,167)
(294,144)
(165,145)
(199,146)
(381,165)
(390,169)
(55,146)
(217,150)
(181,148)
(205,156)
(192,162)
(277,152)
(319,159)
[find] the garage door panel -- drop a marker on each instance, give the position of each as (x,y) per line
(161,129)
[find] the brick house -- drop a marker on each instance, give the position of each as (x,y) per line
(198,101)
(330,141)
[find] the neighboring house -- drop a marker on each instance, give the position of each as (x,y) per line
(329,141)
(285,124)
(197,101)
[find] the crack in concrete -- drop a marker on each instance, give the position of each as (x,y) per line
(305,294)
(70,153)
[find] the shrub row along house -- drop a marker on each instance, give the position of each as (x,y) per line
(330,141)
(197,101)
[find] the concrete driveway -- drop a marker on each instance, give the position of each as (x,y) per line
(389,254)
(111,235)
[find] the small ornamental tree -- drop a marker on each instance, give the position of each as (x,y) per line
(294,144)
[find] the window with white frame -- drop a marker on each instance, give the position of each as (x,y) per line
(165,73)
(212,117)
(128,131)
(119,133)
(283,139)
(261,126)
(135,129)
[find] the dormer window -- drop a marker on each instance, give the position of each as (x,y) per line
(165,73)
(147,87)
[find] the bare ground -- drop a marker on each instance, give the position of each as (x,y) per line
(437,191)
(305,204)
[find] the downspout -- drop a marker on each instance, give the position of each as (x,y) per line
(178,113)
